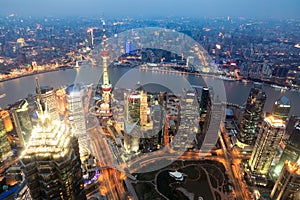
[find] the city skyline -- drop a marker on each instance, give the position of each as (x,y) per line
(107,115)
(167,8)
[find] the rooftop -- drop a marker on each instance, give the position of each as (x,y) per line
(283,101)
(275,122)
(293,167)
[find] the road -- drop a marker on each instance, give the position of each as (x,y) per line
(111,179)
(113,183)
(232,163)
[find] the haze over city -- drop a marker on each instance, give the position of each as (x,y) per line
(154,8)
(150,99)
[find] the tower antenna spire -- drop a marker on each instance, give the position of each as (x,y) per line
(38,89)
(106,86)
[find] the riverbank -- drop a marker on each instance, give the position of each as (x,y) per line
(36,72)
(218,76)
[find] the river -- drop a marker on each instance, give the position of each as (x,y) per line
(237,92)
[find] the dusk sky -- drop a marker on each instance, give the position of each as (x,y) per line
(154,8)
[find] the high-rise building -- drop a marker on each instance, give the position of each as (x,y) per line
(75,112)
(186,133)
(205,99)
(291,151)
(4,114)
(51,162)
(135,119)
(105,106)
(132,102)
(20,43)
(292,123)
(22,121)
(252,116)
(206,113)
(266,145)
(132,136)
(48,96)
(157,116)
(281,108)
(287,185)
(5,149)
(190,63)
(129,47)
(61,100)
(143,109)
(90,37)
(136,107)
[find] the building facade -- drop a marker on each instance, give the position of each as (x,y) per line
(291,151)
(252,116)
(188,128)
(51,162)
(266,145)
(205,99)
(281,108)
(4,114)
(5,149)
(136,107)
(292,123)
(135,117)
(76,116)
(48,97)
(22,121)
(287,185)
(61,100)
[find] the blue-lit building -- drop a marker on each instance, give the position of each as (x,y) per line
(281,108)
(129,48)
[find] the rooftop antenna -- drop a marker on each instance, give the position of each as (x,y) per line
(38,90)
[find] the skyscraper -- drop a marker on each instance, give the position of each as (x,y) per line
(48,96)
(90,37)
(51,162)
(132,103)
(143,108)
(281,108)
(205,98)
(252,116)
(157,116)
(287,185)
(132,136)
(61,100)
(292,123)
(76,116)
(22,121)
(4,114)
(136,107)
(105,108)
(186,134)
(291,151)
(129,47)
(5,149)
(266,145)
(190,63)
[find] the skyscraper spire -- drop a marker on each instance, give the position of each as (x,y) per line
(38,89)
(106,86)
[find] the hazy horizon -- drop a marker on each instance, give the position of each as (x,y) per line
(153,8)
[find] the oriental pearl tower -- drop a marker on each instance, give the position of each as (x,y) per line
(105,109)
